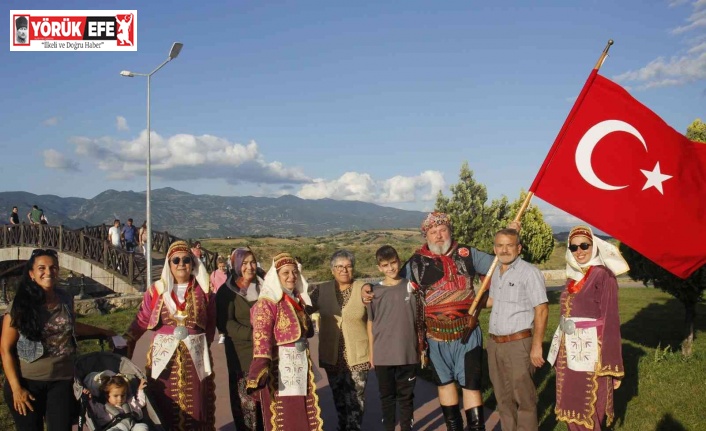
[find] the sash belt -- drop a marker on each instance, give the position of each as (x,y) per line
(447,330)
(512,337)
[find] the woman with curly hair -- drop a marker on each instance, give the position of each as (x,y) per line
(38,347)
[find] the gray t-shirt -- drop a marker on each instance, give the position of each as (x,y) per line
(392,313)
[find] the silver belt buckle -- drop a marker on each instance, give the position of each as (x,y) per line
(568,325)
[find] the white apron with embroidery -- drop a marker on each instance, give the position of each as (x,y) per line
(164,346)
(581,347)
(293,372)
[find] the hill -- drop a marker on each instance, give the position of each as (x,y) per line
(203,216)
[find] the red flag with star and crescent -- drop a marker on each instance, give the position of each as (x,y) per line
(618,166)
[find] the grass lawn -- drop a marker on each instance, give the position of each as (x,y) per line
(662,390)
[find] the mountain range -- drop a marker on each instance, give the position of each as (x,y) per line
(201,216)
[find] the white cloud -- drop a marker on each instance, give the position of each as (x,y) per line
(362,187)
(186,157)
(52,121)
(55,160)
(121,123)
(678,69)
(559,218)
(662,72)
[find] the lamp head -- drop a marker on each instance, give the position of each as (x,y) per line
(176,49)
(127,73)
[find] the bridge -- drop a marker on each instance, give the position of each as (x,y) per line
(88,251)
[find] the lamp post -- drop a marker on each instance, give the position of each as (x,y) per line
(173,53)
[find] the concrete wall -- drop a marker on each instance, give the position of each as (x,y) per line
(78,266)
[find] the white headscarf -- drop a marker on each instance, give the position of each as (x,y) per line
(272,288)
(602,253)
(165,285)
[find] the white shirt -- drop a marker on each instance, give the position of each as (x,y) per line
(114,235)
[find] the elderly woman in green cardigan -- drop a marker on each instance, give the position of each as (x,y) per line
(343,339)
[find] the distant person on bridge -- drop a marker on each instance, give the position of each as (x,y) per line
(130,234)
(143,237)
(234,300)
(114,234)
(180,309)
(196,250)
(589,324)
(35,215)
(14,217)
(38,348)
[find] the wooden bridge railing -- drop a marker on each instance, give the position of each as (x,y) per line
(91,243)
(160,243)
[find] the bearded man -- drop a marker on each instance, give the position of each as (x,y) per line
(444,272)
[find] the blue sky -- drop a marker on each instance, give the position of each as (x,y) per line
(375,101)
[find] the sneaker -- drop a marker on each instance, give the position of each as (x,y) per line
(222,339)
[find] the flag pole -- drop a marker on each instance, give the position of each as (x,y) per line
(473,310)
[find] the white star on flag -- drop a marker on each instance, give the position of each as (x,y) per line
(655,178)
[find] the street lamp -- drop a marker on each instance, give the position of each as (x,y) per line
(173,53)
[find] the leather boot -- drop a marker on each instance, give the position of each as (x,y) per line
(452,416)
(475,419)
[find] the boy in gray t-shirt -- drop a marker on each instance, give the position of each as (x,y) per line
(393,340)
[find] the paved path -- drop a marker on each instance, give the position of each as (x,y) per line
(427,413)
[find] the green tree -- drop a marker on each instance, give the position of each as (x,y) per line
(696,131)
(466,208)
(475,221)
(537,238)
(689,291)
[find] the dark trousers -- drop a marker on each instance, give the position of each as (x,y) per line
(247,415)
(396,383)
(54,402)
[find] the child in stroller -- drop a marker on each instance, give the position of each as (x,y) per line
(89,369)
(118,412)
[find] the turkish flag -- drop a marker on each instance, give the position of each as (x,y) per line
(621,168)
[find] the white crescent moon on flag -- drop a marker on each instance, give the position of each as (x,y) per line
(589,141)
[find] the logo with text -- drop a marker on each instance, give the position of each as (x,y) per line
(73,30)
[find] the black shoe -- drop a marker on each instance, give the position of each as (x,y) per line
(452,417)
(475,418)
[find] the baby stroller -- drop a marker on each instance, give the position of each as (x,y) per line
(101,361)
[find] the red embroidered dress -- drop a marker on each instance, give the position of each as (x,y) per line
(584,399)
(183,400)
(275,325)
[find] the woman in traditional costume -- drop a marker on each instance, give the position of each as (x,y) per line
(180,309)
(234,300)
(281,369)
(586,345)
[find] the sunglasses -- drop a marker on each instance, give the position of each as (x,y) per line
(43,252)
(583,245)
(185,259)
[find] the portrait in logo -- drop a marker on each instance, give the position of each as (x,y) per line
(21,30)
